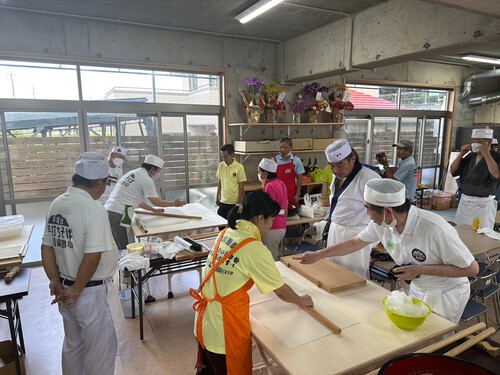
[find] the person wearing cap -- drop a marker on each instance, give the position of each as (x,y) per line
(276,189)
(115,161)
(494,145)
(231,175)
(80,259)
(347,213)
(131,191)
(290,171)
(479,175)
(427,249)
(407,169)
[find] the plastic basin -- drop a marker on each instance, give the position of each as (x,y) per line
(406,322)
(11,225)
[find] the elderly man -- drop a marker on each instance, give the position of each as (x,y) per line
(479,175)
(131,191)
(115,161)
(407,169)
(347,212)
(290,171)
(426,247)
(80,259)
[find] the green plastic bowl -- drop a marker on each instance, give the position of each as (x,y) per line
(406,322)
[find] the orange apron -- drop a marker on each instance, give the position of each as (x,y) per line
(235,316)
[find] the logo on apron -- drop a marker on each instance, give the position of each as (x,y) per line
(418,255)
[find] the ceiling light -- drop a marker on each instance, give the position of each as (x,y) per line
(483,59)
(256,10)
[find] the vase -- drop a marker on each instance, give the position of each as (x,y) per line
(340,133)
(296,118)
(253,115)
(313,115)
(337,116)
(271,114)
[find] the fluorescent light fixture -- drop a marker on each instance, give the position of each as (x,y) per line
(256,10)
(482,59)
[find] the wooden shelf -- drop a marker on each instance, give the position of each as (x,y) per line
(263,153)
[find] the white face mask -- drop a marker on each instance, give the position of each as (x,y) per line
(475,147)
(390,239)
(156,176)
(259,176)
(118,162)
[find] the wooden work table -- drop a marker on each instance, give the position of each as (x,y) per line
(361,347)
(477,243)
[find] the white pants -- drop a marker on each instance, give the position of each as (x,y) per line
(357,262)
(90,345)
(272,239)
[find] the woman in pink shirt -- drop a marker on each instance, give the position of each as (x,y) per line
(277,190)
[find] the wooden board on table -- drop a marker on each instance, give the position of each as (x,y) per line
(325,274)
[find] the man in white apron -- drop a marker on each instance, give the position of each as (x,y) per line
(347,211)
(80,258)
(479,175)
(427,249)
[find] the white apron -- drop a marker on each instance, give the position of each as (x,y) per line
(470,208)
(115,307)
(446,300)
(357,262)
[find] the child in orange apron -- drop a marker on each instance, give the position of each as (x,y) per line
(237,261)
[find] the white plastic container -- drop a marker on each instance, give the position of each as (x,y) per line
(125,296)
(11,225)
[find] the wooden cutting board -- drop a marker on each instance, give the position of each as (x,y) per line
(325,274)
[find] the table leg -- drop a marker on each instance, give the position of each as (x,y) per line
(265,360)
(11,307)
(141,310)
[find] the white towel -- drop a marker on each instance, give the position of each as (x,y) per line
(490,233)
(133,261)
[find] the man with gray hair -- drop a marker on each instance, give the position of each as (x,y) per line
(80,259)
(478,169)
(437,263)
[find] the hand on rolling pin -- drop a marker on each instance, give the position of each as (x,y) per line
(309,257)
(178,203)
(306,301)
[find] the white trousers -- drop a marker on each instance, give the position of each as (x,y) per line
(90,345)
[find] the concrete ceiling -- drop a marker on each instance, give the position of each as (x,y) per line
(287,20)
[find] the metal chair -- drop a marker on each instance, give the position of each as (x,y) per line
(303,246)
(493,289)
(481,283)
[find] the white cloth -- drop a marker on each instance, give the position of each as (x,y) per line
(470,208)
(428,239)
(77,224)
(114,175)
(490,233)
(132,189)
(348,219)
(133,261)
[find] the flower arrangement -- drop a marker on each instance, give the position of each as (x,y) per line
(338,99)
(314,91)
(273,97)
(252,96)
(301,104)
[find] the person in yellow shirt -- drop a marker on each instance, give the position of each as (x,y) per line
(237,261)
(231,175)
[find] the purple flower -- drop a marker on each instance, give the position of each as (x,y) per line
(312,88)
(254,82)
(301,105)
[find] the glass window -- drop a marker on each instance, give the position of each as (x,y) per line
(43,148)
(424,99)
(115,84)
(368,97)
(357,134)
(384,136)
(19,80)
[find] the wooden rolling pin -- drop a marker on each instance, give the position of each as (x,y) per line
(164,214)
(328,324)
(141,225)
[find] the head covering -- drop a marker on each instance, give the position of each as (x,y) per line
(92,166)
(405,142)
(269,165)
(482,133)
(385,192)
(494,141)
(338,151)
(119,150)
(154,160)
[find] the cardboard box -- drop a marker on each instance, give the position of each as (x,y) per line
(441,201)
(322,143)
(7,363)
(302,143)
(257,146)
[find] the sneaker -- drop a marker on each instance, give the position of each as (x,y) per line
(150,299)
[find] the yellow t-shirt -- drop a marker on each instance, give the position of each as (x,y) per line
(230,177)
(253,261)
